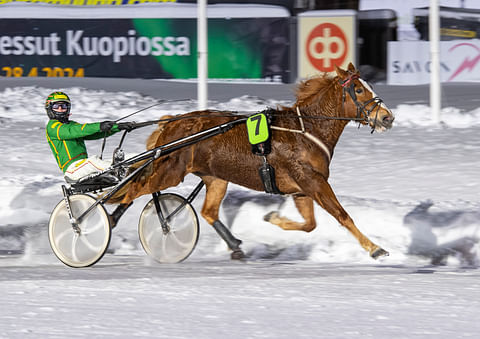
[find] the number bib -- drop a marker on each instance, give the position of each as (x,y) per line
(258,129)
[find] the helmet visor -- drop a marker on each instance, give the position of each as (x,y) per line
(60,105)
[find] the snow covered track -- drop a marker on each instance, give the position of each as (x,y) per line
(122,297)
(415,190)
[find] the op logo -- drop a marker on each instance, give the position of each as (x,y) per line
(326,47)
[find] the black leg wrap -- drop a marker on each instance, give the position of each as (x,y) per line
(232,242)
(117,213)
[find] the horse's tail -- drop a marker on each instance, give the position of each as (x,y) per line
(142,177)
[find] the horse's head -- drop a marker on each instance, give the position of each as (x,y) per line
(359,97)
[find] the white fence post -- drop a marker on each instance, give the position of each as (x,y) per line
(202,55)
(435,81)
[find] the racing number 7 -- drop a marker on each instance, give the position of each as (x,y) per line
(257,118)
(257,128)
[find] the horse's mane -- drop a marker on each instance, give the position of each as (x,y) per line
(318,94)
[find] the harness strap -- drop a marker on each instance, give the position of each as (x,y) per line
(301,120)
(350,78)
(309,136)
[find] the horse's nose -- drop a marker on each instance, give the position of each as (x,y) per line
(388,119)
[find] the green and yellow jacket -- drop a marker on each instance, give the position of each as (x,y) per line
(67,140)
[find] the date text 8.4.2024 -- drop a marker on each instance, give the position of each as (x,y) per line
(18,71)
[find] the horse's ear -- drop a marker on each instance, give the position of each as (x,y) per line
(340,72)
(351,68)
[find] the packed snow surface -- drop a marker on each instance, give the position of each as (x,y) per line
(414,190)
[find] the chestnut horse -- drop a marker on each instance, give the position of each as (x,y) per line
(302,143)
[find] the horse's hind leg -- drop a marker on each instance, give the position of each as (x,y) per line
(216,189)
(304,205)
(326,198)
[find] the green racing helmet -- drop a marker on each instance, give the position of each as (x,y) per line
(58,98)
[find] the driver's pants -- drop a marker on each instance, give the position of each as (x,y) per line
(83,167)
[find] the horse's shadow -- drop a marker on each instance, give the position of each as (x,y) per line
(422,223)
(269,202)
(234,199)
(24,232)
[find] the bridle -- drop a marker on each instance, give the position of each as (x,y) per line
(348,86)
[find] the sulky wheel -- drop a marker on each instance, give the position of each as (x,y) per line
(86,246)
(176,240)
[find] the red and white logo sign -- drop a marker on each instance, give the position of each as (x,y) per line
(326,47)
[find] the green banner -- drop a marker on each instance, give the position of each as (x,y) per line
(238,48)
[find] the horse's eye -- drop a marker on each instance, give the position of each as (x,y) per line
(359,90)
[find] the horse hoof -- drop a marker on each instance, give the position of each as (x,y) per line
(237,255)
(378,252)
(270,215)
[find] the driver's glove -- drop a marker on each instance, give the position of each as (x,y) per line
(106,126)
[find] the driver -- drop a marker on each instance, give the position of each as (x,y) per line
(67,138)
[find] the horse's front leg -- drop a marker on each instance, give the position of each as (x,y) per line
(216,189)
(326,198)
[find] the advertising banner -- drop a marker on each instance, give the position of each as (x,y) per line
(409,61)
(326,39)
(290,4)
(89,2)
(246,48)
(455,23)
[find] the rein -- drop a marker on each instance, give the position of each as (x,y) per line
(129,115)
(347,87)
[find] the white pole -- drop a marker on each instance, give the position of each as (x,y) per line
(202,54)
(435,81)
